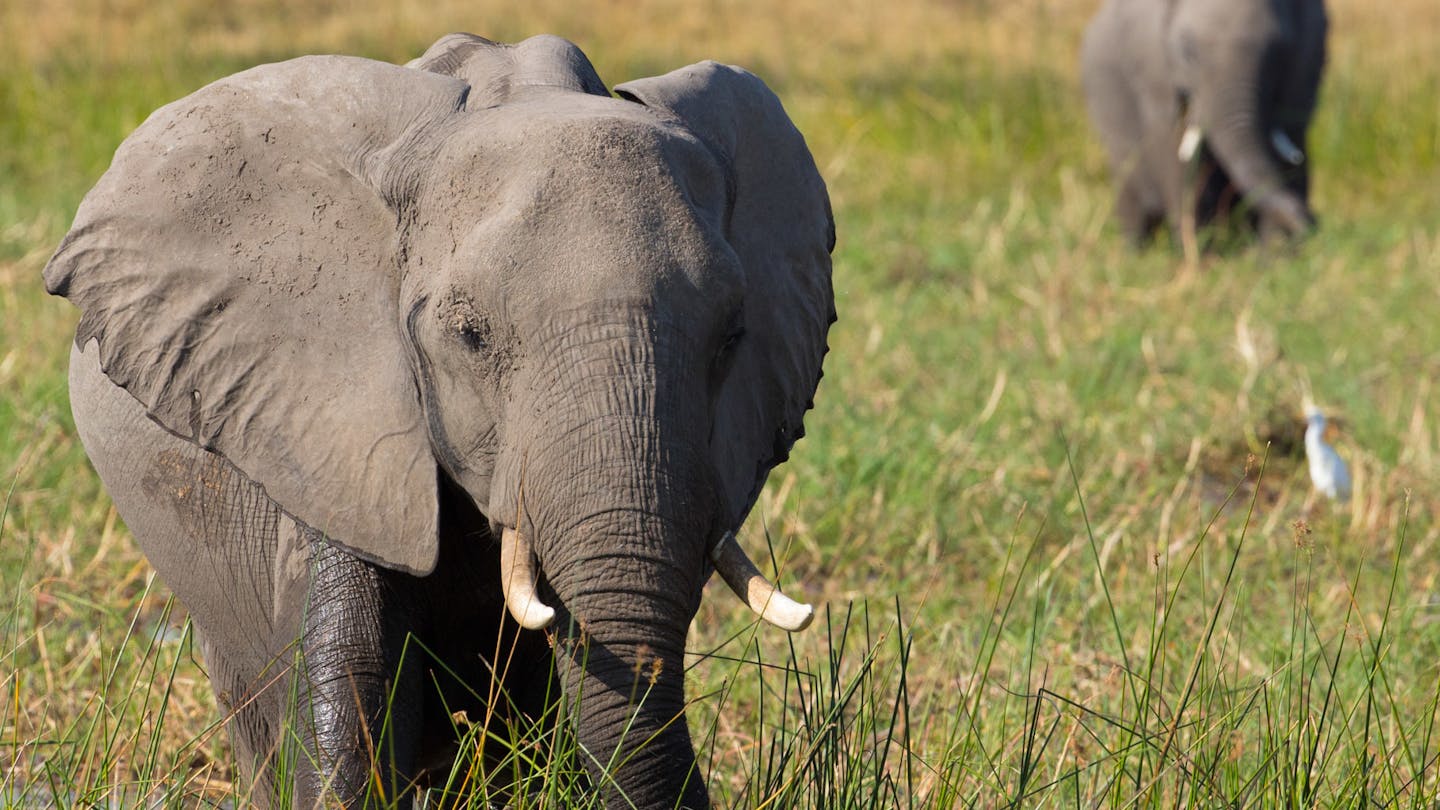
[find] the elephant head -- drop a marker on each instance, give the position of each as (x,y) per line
(1247,76)
(603,318)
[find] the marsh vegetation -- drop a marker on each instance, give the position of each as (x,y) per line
(1053,495)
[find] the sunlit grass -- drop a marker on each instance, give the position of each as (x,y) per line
(994,332)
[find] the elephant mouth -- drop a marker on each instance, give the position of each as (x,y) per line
(519,576)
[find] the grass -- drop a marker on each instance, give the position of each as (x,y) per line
(1031,497)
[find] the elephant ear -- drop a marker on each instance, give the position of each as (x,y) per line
(238,266)
(780,226)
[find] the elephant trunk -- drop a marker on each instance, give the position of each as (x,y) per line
(616,492)
(627,578)
(622,667)
(1236,128)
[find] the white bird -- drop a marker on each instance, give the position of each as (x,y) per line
(1327,470)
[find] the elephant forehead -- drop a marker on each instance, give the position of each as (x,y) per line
(579,144)
(589,202)
(1254,21)
(546,249)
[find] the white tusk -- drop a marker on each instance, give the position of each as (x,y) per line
(1189,143)
(517,579)
(1289,152)
(755,590)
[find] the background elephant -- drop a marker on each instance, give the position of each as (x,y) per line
(369,352)
(1203,104)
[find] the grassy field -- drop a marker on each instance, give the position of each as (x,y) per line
(1053,494)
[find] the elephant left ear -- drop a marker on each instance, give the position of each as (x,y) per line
(781,227)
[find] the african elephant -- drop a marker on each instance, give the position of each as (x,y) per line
(1203,106)
(368,354)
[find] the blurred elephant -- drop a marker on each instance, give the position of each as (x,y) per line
(1203,106)
(368,354)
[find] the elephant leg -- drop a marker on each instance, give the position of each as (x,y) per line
(255,581)
(356,688)
(215,540)
(477,659)
(1215,198)
(1139,213)
(253,705)
(1114,103)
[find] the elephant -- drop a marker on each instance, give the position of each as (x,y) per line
(1203,107)
(444,387)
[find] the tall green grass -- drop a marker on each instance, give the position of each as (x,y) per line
(1167,712)
(1053,576)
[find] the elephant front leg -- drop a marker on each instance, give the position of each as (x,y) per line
(1138,208)
(356,702)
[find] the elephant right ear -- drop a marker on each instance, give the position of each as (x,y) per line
(238,265)
(781,227)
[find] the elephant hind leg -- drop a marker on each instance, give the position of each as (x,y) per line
(210,534)
(252,703)
(1216,199)
(254,581)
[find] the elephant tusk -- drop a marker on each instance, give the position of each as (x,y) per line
(517,579)
(1189,143)
(740,573)
(1289,152)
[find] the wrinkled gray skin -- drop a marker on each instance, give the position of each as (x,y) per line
(1236,69)
(343,321)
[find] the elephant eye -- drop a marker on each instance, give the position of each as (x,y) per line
(725,352)
(727,346)
(468,326)
(471,337)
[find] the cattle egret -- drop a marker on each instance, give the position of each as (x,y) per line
(1327,470)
